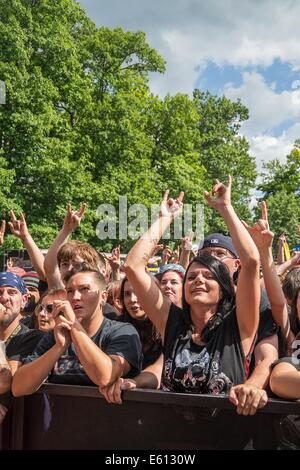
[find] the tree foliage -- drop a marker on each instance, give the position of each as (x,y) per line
(80,123)
(281,189)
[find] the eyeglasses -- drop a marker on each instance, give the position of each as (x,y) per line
(47,308)
(217,253)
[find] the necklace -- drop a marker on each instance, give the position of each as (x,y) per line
(11,336)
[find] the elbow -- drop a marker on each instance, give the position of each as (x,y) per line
(16,390)
(104,382)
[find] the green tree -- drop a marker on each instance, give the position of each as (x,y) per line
(80,123)
(281,190)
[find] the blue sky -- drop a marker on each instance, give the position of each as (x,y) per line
(247,49)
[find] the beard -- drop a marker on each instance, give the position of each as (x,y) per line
(6,320)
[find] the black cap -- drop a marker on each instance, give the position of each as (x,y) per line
(220,240)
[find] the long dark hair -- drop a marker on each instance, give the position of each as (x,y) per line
(295,324)
(147,331)
(227,300)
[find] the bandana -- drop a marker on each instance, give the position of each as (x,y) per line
(12,280)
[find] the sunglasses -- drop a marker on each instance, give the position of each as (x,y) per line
(47,308)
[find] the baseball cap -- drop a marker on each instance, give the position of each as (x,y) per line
(218,240)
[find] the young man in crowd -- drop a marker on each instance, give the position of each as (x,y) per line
(86,347)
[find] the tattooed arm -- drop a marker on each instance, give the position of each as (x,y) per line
(149,295)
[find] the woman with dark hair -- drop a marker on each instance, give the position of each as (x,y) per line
(207,344)
(133,313)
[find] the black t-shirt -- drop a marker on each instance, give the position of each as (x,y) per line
(23,343)
(210,369)
(110,312)
(113,338)
(149,336)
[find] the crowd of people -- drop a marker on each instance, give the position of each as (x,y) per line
(224,320)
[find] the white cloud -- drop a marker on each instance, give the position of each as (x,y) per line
(295,84)
(268,109)
(189,33)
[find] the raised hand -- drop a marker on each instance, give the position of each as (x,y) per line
(157,248)
(2,232)
(221,195)
(18,227)
(282,239)
(187,243)
(170,207)
(114,259)
(176,255)
(166,255)
(73,218)
(260,232)
(295,260)
(63,307)
(112,394)
(62,331)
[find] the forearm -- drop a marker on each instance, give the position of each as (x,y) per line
(97,365)
(184,259)
(150,377)
(144,247)
(285,383)
(36,256)
(274,291)
(280,254)
(272,282)
(50,262)
(241,239)
(282,268)
(30,377)
(260,375)
(116,274)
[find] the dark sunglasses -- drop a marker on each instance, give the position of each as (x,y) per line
(47,308)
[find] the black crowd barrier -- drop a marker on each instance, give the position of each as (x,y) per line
(74,417)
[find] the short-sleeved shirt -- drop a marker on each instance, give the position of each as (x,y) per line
(23,343)
(149,336)
(211,369)
(113,338)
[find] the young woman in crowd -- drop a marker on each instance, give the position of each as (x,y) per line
(170,277)
(134,314)
(207,343)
